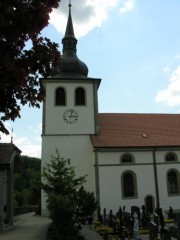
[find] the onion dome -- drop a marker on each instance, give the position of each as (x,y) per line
(70,62)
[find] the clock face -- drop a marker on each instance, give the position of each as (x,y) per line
(70,116)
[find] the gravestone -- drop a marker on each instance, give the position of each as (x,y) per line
(136,227)
(137,210)
(111,218)
(152,229)
(100,218)
(104,216)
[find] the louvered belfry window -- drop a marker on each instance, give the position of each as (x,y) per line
(80,98)
(60,99)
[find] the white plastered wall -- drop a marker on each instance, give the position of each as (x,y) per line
(53,119)
(78,149)
(162,168)
(110,171)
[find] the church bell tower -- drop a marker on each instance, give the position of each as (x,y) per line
(71,96)
(70,112)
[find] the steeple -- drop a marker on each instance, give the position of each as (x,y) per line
(70,62)
(69,28)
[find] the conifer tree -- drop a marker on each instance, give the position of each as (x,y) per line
(67,200)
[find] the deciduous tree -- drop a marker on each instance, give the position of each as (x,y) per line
(27,183)
(21,22)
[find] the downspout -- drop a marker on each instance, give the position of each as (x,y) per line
(96,165)
(96,121)
(156,178)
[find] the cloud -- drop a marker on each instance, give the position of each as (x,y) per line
(127,6)
(171,95)
(166,69)
(31,150)
(30,146)
(6,138)
(86,14)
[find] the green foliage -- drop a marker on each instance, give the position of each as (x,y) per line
(61,209)
(60,178)
(19,182)
(67,200)
(21,23)
(27,184)
(26,196)
(31,162)
(18,199)
(86,205)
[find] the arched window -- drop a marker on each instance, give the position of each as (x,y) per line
(60,97)
(127,158)
(173,182)
(80,98)
(171,157)
(129,185)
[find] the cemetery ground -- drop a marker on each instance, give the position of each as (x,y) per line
(138,225)
(32,227)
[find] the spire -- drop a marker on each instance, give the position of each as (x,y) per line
(69,28)
(12,136)
(69,40)
(70,62)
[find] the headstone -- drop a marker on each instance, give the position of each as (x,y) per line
(156,220)
(104,216)
(119,215)
(124,210)
(152,229)
(100,219)
(171,213)
(136,227)
(144,220)
(137,210)
(178,224)
(111,218)
(161,221)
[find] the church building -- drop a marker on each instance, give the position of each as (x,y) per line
(130,159)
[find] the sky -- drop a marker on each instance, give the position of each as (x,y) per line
(132,45)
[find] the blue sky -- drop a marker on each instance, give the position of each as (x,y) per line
(132,45)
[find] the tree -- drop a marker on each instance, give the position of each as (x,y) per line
(27,183)
(65,194)
(21,22)
(86,205)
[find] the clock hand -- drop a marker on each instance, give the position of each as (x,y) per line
(71,112)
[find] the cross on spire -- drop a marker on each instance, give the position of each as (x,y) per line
(69,3)
(12,136)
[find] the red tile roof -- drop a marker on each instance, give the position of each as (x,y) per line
(137,130)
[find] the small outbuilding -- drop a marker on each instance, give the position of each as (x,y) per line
(10,163)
